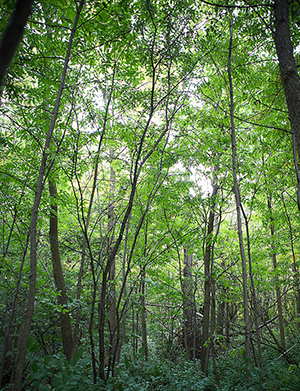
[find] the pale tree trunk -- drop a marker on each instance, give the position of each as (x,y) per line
(209,238)
(62,299)
(188,305)
(239,221)
(277,287)
(33,224)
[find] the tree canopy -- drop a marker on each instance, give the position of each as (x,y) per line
(150,195)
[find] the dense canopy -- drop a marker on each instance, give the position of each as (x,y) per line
(150,195)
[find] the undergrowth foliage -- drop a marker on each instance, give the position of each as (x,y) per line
(57,374)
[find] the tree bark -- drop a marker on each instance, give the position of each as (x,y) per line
(112,320)
(62,299)
(288,70)
(277,287)
(33,242)
(205,345)
(188,306)
(143,310)
(13,34)
(253,294)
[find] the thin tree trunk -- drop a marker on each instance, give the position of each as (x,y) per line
(33,242)
(121,332)
(143,309)
(112,320)
(188,305)
(294,264)
(253,296)
(62,299)
(239,220)
(205,345)
(277,287)
(9,330)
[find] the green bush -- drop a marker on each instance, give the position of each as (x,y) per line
(161,375)
(58,374)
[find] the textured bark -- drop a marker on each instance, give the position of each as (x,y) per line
(13,34)
(289,74)
(62,299)
(287,65)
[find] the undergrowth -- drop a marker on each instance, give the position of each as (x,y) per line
(161,374)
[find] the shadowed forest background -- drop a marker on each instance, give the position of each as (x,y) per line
(150,195)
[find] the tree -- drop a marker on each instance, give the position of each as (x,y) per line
(176,237)
(288,69)
(13,34)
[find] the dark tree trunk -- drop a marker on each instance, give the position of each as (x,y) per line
(205,346)
(13,34)
(277,287)
(143,309)
(62,299)
(33,242)
(188,306)
(288,70)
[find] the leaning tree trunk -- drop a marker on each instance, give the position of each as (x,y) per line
(62,299)
(239,219)
(33,224)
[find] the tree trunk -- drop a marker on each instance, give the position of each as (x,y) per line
(10,326)
(205,345)
(239,220)
(188,306)
(13,34)
(62,299)
(294,264)
(33,242)
(143,309)
(288,69)
(253,294)
(112,320)
(121,329)
(277,288)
